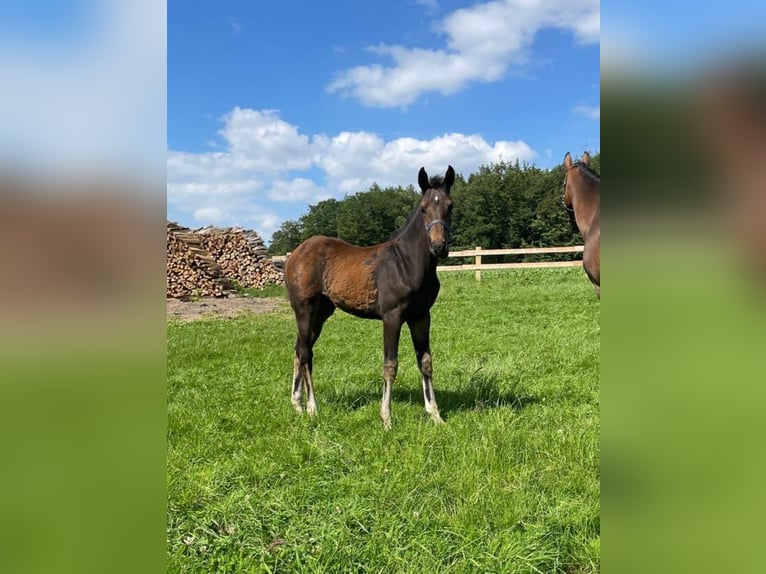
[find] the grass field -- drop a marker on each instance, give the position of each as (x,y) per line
(509,484)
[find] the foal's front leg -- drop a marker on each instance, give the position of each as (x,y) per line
(420,330)
(392,327)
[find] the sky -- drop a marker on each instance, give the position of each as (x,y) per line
(257,109)
(274,106)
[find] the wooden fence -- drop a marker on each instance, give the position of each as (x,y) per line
(478,254)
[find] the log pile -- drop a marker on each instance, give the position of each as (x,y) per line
(209,261)
(191,270)
(241,255)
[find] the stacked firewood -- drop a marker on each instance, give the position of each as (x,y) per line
(191,270)
(209,261)
(241,255)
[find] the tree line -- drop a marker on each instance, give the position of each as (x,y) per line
(503,205)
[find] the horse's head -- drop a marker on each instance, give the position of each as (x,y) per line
(436,209)
(575,179)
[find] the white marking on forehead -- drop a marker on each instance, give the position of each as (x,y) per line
(436,198)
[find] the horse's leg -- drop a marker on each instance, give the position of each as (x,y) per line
(595,277)
(297,379)
(589,271)
(320,313)
(304,316)
(392,327)
(420,330)
(597,266)
(591,261)
(591,266)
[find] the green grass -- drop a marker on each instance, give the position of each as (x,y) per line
(509,484)
(267,291)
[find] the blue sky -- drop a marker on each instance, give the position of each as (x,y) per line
(254,135)
(273,106)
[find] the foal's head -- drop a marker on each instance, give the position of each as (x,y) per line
(575,179)
(436,209)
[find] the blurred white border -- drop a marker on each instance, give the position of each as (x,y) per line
(92,107)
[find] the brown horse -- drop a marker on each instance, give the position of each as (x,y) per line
(393,281)
(583,197)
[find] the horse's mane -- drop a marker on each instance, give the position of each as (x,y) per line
(436,182)
(589,171)
(409,218)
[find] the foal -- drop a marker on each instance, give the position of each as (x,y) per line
(582,195)
(394,282)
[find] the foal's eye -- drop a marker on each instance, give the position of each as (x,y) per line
(422,210)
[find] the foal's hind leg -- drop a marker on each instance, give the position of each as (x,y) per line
(420,332)
(297,393)
(310,317)
(303,355)
(321,312)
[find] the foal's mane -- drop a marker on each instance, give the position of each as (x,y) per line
(410,216)
(588,170)
(436,182)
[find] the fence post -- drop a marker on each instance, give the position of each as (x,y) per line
(478,262)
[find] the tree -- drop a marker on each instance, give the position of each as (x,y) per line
(372,216)
(482,209)
(501,205)
(286,238)
(322,219)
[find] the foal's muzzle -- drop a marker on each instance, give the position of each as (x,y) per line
(441,248)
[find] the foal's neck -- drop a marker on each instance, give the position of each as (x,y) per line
(414,246)
(585,203)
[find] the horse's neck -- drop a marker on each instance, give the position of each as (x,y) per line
(586,204)
(413,246)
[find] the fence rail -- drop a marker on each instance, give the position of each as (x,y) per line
(519,251)
(478,253)
(478,265)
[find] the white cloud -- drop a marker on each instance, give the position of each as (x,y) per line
(592,112)
(209,215)
(481,43)
(184,189)
(260,141)
(296,190)
(254,178)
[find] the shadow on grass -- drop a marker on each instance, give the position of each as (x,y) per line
(481,391)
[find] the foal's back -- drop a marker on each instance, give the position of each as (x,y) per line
(333,268)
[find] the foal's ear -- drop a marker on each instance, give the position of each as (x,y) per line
(423,180)
(449,179)
(567,161)
(586,158)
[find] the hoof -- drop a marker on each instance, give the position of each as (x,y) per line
(437,419)
(297,406)
(387,424)
(311,409)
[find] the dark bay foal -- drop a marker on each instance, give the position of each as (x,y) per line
(394,282)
